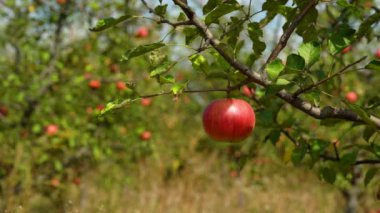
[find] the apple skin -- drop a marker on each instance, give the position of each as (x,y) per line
(351,97)
(120,85)
(347,49)
(142,32)
(146,135)
(94,84)
(55,182)
(249,92)
(377,54)
(3,111)
(51,129)
(230,120)
(146,101)
(61,2)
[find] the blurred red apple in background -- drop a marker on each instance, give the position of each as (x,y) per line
(51,129)
(146,101)
(347,49)
(142,32)
(100,107)
(94,84)
(377,54)
(146,135)
(351,97)
(61,2)
(247,91)
(55,182)
(120,85)
(3,111)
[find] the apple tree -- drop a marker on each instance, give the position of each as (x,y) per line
(308,68)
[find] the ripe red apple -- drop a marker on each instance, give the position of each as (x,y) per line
(347,49)
(142,32)
(3,111)
(377,54)
(55,182)
(120,85)
(94,84)
(229,120)
(247,91)
(351,97)
(61,2)
(100,107)
(51,129)
(146,135)
(146,101)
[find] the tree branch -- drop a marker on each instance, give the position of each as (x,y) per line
(308,108)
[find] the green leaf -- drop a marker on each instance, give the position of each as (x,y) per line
(362,114)
(341,38)
(349,159)
(295,62)
(217,75)
(374,65)
(274,69)
(370,175)
(366,25)
(178,88)
(328,174)
(167,79)
(255,33)
(313,97)
(211,4)
(160,10)
(190,34)
(298,154)
(273,136)
(368,132)
(277,86)
(162,68)
(140,50)
(199,63)
(310,52)
(109,22)
(219,11)
(317,148)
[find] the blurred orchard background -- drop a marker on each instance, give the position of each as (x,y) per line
(61,150)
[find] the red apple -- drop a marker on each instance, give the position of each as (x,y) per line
(55,182)
(377,54)
(120,85)
(142,32)
(3,111)
(100,107)
(76,181)
(247,91)
(61,2)
(146,135)
(229,120)
(351,97)
(51,129)
(146,101)
(94,84)
(347,49)
(114,68)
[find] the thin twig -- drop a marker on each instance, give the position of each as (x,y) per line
(312,86)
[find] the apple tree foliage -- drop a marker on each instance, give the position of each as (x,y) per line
(290,52)
(301,76)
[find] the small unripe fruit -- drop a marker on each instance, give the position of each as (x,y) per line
(120,85)
(146,101)
(351,97)
(51,129)
(146,135)
(94,84)
(142,32)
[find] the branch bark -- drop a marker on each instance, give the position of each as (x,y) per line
(306,107)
